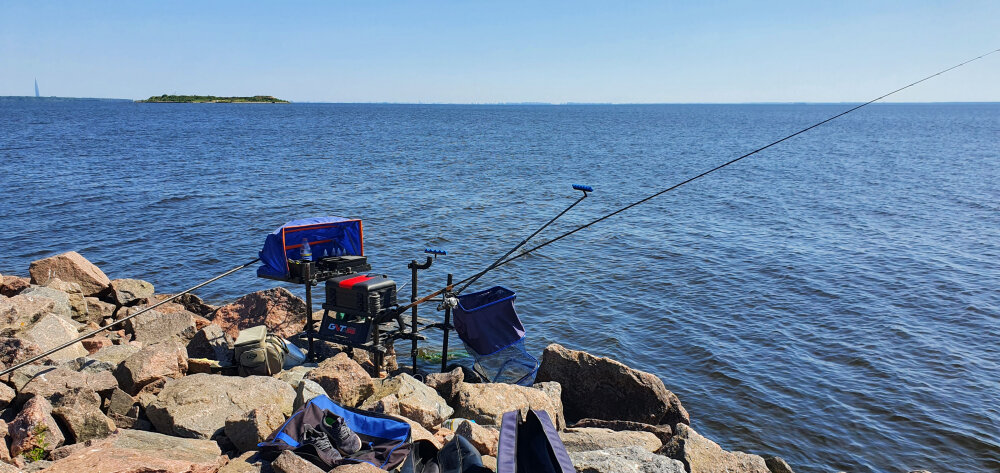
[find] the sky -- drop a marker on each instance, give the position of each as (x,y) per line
(507,51)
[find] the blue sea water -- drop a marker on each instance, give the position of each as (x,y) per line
(834,300)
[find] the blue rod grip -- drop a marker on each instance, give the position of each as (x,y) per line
(581,187)
(435,251)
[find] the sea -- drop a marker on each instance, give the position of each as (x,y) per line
(833,300)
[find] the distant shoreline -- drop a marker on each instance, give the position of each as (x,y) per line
(495,104)
(211,99)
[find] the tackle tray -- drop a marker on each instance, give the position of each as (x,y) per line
(360,294)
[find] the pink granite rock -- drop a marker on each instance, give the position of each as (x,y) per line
(70,267)
(281,311)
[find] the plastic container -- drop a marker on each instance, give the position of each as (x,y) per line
(305,253)
(294,357)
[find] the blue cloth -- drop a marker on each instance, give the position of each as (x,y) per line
(486,320)
(333,236)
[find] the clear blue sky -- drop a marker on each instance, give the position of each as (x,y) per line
(472,51)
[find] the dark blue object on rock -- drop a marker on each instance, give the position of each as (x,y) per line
(333,236)
(494,335)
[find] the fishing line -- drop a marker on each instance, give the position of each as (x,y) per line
(686,181)
(120,321)
(733,161)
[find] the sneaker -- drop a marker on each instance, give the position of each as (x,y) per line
(342,436)
(319,441)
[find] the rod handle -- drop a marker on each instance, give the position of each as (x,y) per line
(581,187)
(435,251)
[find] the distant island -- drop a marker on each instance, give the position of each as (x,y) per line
(210,99)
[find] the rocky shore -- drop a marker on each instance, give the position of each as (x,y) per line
(159,393)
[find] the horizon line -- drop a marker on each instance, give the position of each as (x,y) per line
(540,103)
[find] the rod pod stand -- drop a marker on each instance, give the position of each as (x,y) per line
(414,267)
(310,323)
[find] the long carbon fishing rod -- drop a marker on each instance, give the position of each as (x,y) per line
(688,180)
(499,261)
(118,322)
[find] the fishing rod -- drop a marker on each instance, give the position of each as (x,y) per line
(579,187)
(688,180)
(471,279)
(118,322)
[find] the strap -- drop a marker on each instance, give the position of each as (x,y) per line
(507,445)
(555,443)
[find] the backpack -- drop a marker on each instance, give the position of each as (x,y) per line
(385,440)
(258,352)
(531,445)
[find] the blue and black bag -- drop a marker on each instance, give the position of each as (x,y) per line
(493,334)
(531,445)
(385,440)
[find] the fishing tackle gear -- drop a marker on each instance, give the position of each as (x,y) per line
(119,321)
(340,253)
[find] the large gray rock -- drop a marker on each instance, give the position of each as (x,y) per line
(486,403)
(51,331)
(130,291)
(154,326)
(62,305)
(70,267)
(51,383)
(114,355)
(701,455)
(246,431)
(416,400)
(197,406)
(97,310)
(79,411)
(305,391)
(64,286)
(602,388)
(343,379)
(20,311)
(582,439)
(150,363)
(213,343)
(624,460)
(74,297)
(138,451)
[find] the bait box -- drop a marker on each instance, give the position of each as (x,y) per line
(360,294)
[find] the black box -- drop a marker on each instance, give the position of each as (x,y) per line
(360,294)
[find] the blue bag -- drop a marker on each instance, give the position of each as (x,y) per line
(385,440)
(493,334)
